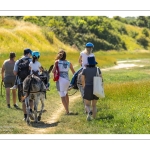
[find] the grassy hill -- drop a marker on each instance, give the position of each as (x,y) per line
(15,35)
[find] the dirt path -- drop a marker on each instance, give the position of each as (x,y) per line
(50,123)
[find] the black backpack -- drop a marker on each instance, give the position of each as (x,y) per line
(23,68)
(75,86)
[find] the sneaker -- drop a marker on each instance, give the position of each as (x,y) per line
(91,113)
(31,116)
(70,87)
(88,117)
(14,87)
(16,106)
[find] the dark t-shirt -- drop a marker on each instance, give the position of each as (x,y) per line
(89,73)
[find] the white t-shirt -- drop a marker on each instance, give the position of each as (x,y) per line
(35,66)
(84,58)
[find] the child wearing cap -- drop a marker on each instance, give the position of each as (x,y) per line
(35,66)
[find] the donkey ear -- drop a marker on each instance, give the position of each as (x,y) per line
(50,69)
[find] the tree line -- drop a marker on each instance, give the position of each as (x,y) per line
(106,33)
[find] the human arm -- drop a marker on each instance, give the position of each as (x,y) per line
(83,80)
(15,71)
(54,67)
(100,74)
(72,69)
(80,60)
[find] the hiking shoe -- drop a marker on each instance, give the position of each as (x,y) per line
(31,116)
(14,87)
(8,105)
(70,87)
(88,117)
(91,113)
(16,106)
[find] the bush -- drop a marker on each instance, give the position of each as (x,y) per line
(143,41)
(32,19)
(145,32)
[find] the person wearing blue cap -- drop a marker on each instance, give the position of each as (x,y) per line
(35,66)
(88,74)
(83,61)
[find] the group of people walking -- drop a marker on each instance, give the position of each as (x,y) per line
(10,76)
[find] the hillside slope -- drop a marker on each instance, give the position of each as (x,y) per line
(17,35)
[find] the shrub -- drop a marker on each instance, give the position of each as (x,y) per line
(143,41)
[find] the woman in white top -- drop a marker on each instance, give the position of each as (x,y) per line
(63,83)
(85,54)
(83,60)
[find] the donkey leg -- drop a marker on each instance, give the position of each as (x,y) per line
(36,101)
(27,109)
(42,98)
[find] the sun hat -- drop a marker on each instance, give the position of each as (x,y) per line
(91,61)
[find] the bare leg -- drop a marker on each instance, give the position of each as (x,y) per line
(24,108)
(94,109)
(65,103)
(8,96)
(14,96)
(87,105)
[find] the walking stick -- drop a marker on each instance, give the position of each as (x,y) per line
(2,85)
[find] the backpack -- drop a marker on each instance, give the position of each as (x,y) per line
(75,86)
(77,79)
(23,68)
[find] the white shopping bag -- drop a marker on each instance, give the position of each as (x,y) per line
(98,89)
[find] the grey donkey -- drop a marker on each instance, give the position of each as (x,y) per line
(34,89)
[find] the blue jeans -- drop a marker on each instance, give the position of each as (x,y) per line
(74,76)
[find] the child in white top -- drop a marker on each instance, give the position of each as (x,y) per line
(35,66)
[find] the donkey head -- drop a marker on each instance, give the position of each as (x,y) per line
(46,73)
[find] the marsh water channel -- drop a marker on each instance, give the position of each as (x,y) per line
(128,64)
